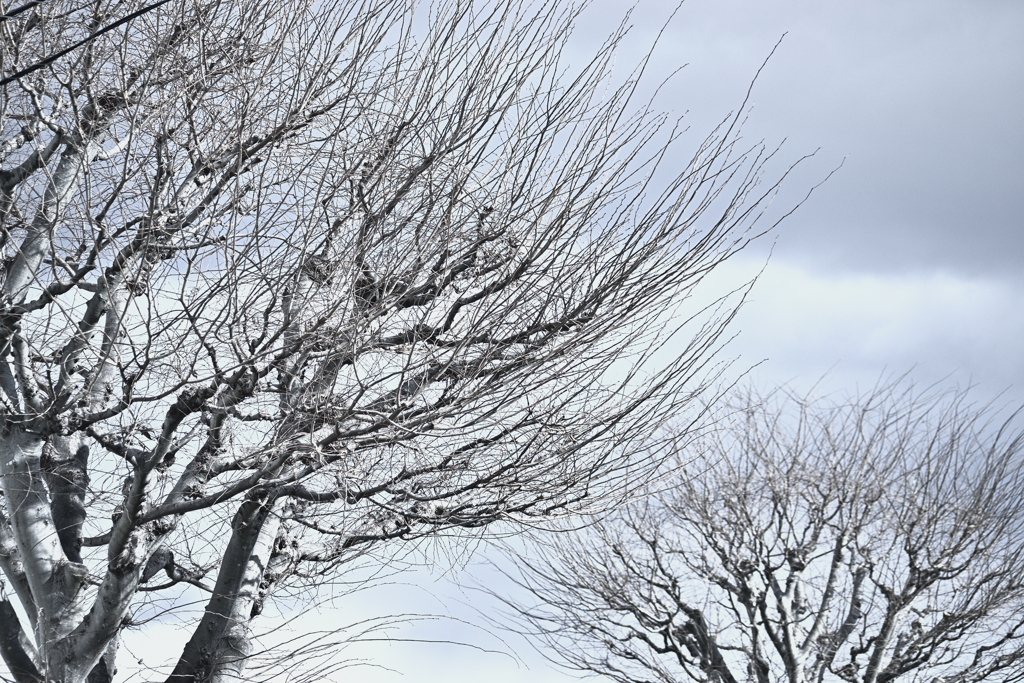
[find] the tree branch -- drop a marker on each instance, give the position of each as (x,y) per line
(15,647)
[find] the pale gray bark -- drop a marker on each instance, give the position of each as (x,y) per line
(218,650)
(28,507)
(23,272)
(14,569)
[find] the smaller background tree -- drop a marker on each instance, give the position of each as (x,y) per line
(874,540)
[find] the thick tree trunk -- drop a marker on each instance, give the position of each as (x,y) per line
(67,476)
(28,504)
(221,643)
(233,649)
(104,670)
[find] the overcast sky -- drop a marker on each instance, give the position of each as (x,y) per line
(909,258)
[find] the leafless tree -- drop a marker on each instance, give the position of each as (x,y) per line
(284,282)
(869,541)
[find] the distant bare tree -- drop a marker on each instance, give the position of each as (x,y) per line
(285,281)
(872,541)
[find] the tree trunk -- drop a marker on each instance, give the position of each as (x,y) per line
(221,644)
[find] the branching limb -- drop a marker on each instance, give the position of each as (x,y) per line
(15,647)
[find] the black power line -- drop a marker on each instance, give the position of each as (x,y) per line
(110,27)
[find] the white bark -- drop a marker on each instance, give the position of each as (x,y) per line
(24,270)
(28,507)
(232,649)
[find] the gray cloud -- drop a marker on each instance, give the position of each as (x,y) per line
(923,98)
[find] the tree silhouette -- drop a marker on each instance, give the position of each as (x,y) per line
(875,540)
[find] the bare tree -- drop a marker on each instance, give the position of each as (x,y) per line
(42,62)
(286,281)
(870,541)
